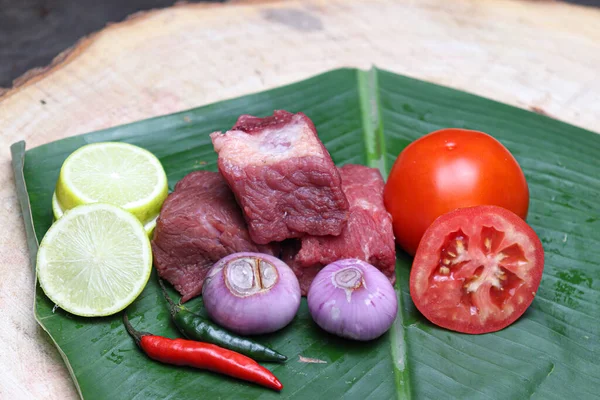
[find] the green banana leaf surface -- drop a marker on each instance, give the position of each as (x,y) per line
(364,117)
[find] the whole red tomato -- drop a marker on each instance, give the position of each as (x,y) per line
(446,170)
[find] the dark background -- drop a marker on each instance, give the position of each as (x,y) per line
(33,32)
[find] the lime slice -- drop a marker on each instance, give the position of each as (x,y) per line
(95,260)
(115,173)
(58,212)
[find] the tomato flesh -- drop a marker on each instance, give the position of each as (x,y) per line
(476,269)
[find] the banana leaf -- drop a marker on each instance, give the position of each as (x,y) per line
(364,117)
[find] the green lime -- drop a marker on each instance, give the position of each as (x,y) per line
(115,173)
(58,212)
(95,260)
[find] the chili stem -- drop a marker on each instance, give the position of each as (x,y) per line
(137,335)
(173,308)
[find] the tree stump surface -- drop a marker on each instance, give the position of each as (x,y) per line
(542,55)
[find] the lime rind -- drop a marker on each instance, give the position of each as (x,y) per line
(149,227)
(113,172)
(95,260)
(56,208)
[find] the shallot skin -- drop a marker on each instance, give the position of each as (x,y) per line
(352,299)
(251,293)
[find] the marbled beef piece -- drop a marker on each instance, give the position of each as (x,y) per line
(282,177)
(368,235)
(199,223)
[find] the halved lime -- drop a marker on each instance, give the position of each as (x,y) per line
(115,173)
(95,260)
(58,212)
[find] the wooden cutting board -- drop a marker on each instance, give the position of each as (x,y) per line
(538,55)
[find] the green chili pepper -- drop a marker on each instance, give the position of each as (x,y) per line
(195,327)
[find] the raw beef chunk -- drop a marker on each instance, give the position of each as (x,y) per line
(368,235)
(199,224)
(305,275)
(282,176)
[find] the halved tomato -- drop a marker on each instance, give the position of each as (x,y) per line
(476,270)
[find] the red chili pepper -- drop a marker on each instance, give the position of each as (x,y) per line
(204,356)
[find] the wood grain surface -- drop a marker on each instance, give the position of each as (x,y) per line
(542,55)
